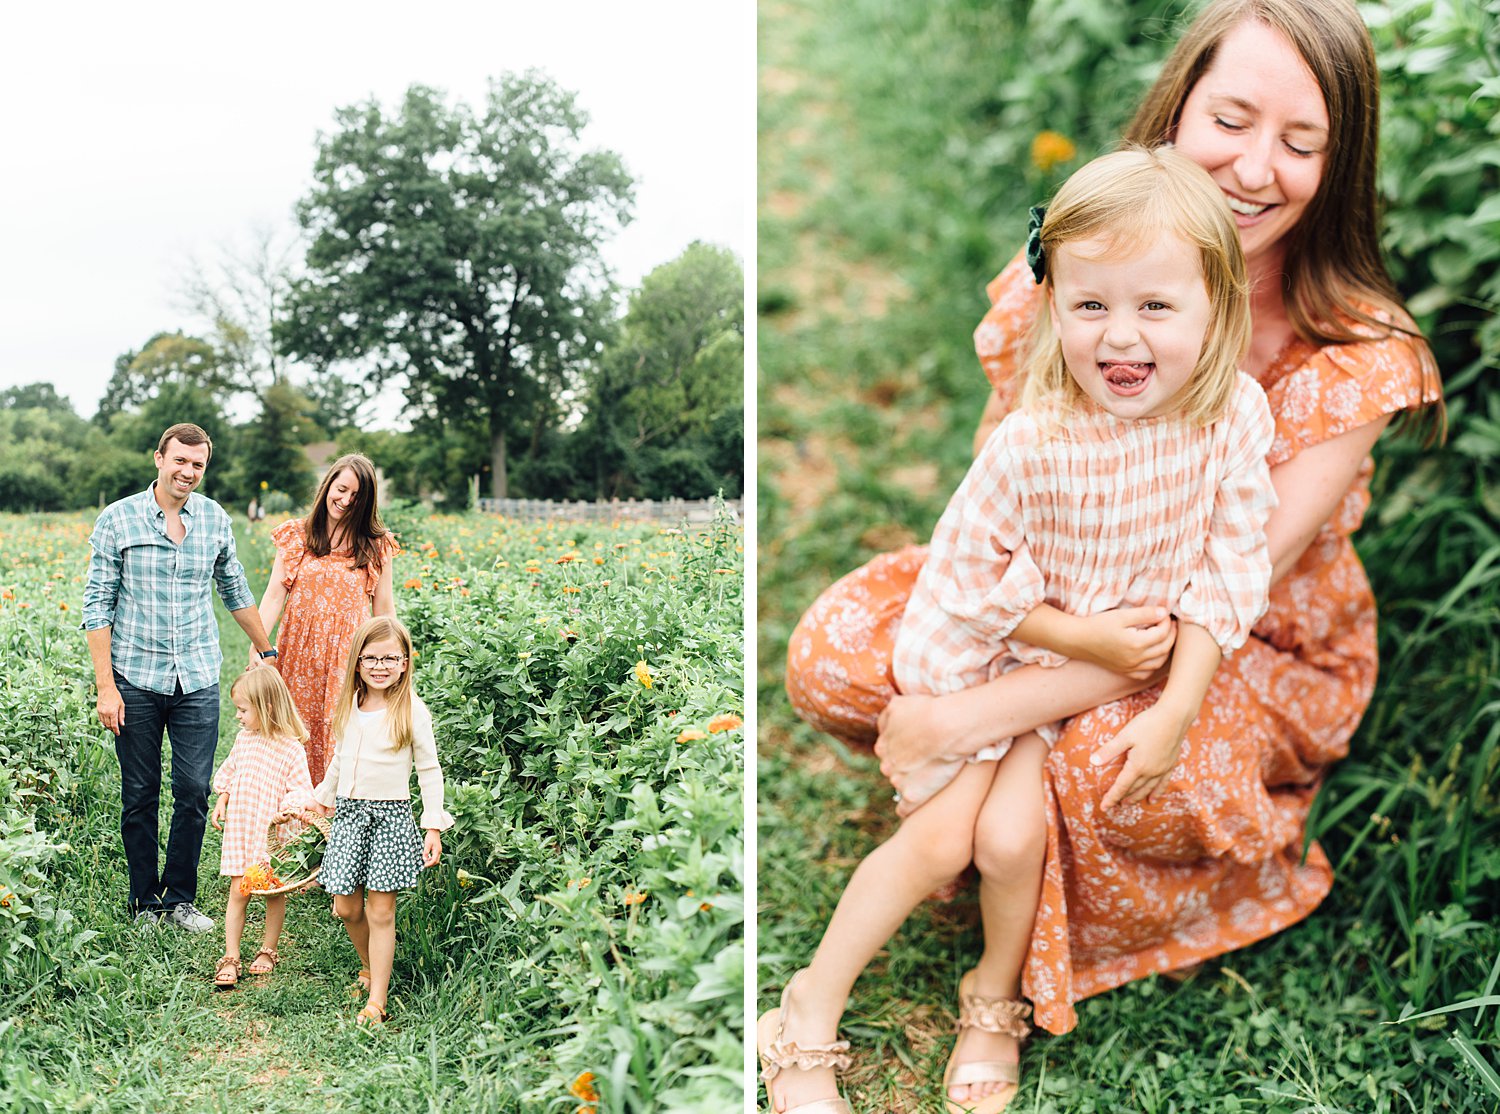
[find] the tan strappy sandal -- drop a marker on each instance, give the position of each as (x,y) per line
(777,1054)
(272,957)
(1004,1016)
(227,973)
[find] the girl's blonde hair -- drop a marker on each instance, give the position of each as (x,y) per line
(1132,199)
(263,689)
(382,628)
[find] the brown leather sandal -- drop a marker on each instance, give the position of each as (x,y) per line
(361,984)
(272,956)
(227,973)
(778,1054)
(371,1017)
(1004,1016)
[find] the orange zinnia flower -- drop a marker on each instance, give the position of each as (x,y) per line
(690,734)
(414,582)
(1050,149)
(726,722)
(583,1087)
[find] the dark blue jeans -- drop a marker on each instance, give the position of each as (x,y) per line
(191,721)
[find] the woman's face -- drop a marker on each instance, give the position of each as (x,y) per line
(1257,123)
(341,495)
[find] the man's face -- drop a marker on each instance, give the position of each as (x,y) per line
(180,469)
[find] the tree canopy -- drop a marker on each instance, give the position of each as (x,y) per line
(461,250)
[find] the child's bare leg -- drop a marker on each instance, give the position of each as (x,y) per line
(234,918)
(380,916)
(350,908)
(1010,844)
(275,918)
(930,848)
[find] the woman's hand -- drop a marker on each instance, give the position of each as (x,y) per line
(432,847)
(1133,641)
(221,809)
(1151,743)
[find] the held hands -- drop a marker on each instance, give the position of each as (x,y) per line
(432,847)
(1151,743)
(1134,641)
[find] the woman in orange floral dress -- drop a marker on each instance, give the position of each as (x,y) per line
(332,569)
(1277,100)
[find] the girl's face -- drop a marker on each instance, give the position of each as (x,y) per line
(244,713)
(1131,326)
(381,664)
(1256,121)
(341,495)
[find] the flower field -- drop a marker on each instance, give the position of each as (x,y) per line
(580,946)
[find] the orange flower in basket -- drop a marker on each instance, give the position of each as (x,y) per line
(257,876)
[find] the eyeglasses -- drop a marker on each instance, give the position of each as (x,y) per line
(390,661)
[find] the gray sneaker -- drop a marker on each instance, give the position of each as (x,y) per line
(148,919)
(187,918)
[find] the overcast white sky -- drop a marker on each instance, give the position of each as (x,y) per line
(138,137)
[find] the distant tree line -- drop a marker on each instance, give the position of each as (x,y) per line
(449,279)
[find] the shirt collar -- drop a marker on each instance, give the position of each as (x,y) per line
(154,508)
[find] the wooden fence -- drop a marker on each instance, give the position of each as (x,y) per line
(667,512)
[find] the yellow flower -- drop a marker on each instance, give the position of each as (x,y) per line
(1049,149)
(583,1088)
(465,879)
(264,485)
(643,673)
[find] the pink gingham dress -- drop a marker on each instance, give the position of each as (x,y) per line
(263,776)
(1091,513)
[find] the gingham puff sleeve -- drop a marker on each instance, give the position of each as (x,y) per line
(1228,591)
(979,581)
(225,776)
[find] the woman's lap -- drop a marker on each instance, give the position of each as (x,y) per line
(1212,865)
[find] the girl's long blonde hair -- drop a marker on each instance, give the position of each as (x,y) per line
(271,701)
(398,696)
(1131,199)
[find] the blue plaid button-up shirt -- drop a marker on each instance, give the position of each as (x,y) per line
(155,593)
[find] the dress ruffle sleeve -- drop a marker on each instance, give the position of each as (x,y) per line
(391,549)
(1228,592)
(291,545)
(1341,387)
(1000,340)
(224,778)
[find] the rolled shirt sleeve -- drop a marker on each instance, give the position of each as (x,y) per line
(101,591)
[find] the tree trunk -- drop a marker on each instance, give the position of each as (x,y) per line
(498,485)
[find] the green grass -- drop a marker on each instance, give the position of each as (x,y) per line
(893,185)
(572,792)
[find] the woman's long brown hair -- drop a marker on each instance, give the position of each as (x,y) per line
(1337,287)
(363,531)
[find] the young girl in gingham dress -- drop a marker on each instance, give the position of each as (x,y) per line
(382,732)
(265,776)
(1117,517)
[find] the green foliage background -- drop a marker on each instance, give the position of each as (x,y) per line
(896,170)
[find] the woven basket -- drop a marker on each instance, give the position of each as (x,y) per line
(278,836)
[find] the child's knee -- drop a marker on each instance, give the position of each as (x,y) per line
(347,909)
(1002,851)
(938,852)
(380,916)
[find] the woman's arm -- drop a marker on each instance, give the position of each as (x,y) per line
(385,591)
(274,597)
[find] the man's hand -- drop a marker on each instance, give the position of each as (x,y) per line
(221,809)
(111,708)
(1151,743)
(1133,641)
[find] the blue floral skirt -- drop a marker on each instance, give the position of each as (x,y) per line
(373,844)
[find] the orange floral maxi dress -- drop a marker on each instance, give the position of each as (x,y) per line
(1215,861)
(326,602)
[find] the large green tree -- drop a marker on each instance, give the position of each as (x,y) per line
(670,387)
(460,249)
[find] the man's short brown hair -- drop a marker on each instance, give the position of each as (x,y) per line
(186,433)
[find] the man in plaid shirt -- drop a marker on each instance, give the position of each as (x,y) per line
(148,613)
